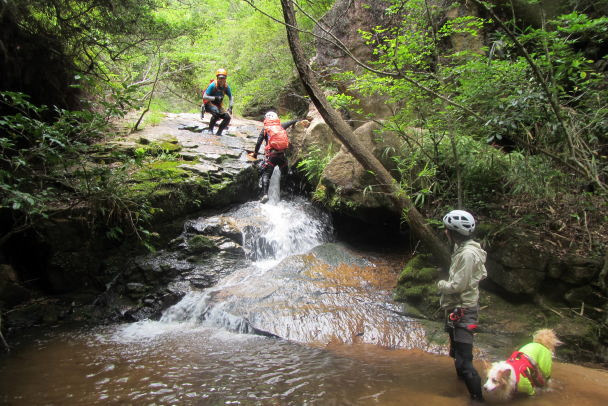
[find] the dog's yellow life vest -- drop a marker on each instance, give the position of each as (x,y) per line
(537,354)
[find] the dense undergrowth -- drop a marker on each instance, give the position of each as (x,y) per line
(116,61)
(496,112)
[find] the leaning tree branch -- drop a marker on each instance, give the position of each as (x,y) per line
(345,134)
(576,165)
(8,349)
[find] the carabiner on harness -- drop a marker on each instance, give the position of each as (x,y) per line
(456,315)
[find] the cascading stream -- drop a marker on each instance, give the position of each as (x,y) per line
(299,286)
(282,229)
(274,190)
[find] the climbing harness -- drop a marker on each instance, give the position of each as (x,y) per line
(456,316)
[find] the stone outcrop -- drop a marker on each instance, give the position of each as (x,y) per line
(344,21)
(347,180)
(67,256)
(303,139)
(522,268)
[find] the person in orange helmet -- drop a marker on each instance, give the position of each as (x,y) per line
(213,100)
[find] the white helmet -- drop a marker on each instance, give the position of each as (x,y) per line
(271,115)
(460,221)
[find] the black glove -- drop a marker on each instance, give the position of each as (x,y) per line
(218,99)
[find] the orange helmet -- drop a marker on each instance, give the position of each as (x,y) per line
(222,72)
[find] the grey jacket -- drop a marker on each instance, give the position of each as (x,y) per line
(466,270)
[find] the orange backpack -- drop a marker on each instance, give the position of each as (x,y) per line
(277,136)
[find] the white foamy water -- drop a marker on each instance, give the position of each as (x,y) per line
(274,189)
(284,228)
(288,231)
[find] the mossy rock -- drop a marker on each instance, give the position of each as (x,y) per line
(418,270)
(162,173)
(200,243)
(167,146)
(157,148)
(158,139)
(337,201)
(417,286)
(417,294)
(582,338)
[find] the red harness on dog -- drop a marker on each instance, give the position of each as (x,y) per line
(524,365)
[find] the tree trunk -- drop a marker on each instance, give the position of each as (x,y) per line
(345,134)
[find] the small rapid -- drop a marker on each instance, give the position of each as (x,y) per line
(271,232)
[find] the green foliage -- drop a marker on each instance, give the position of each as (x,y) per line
(427,169)
(341,101)
(511,106)
(314,163)
(231,35)
(45,169)
(173,47)
(167,51)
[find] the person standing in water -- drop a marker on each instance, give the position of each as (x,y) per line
(460,296)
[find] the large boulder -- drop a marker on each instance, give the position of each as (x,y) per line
(521,266)
(347,182)
(517,266)
(312,134)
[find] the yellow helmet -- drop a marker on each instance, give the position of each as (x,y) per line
(222,72)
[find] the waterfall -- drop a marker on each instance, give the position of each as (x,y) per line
(280,229)
(290,281)
(274,189)
(287,228)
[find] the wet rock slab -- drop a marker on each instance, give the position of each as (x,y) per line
(328,295)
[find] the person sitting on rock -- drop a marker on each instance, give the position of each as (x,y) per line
(275,135)
(213,100)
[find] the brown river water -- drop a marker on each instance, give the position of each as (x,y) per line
(343,344)
(151,364)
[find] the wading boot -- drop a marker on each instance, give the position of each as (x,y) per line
(473,383)
(222,127)
(212,124)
